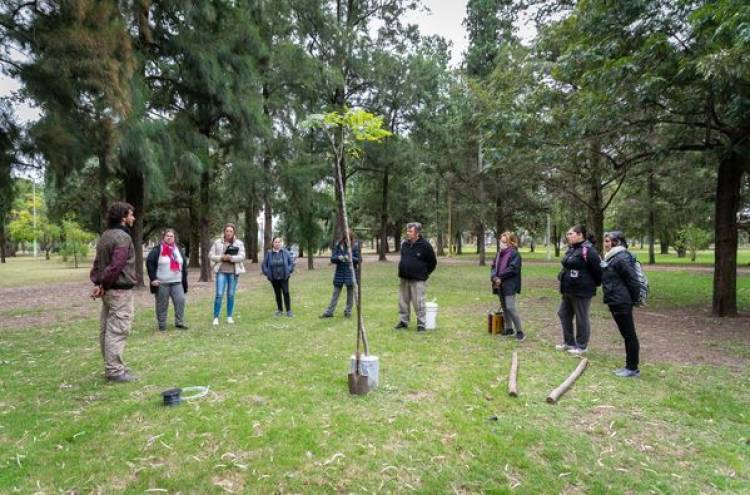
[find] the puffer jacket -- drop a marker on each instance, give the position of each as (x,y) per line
(619,280)
(580,275)
(343,275)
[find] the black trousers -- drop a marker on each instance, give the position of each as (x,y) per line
(623,316)
(281,287)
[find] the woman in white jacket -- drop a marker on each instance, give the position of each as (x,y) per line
(227,256)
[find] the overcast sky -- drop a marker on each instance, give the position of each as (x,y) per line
(443,18)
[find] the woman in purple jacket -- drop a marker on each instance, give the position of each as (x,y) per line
(506,283)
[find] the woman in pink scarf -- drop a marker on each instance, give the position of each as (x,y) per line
(167,269)
(506,283)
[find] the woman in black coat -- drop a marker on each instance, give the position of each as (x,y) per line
(506,282)
(579,277)
(621,289)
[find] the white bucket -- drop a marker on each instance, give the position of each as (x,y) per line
(369,366)
(431,310)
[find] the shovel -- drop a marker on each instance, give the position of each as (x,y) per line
(358,383)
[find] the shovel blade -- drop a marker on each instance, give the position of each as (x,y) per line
(358,384)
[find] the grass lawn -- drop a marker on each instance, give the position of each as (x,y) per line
(279,417)
(27,270)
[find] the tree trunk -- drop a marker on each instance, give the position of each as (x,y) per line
(194,261)
(439,240)
(135,192)
(397,238)
(339,212)
(651,219)
(459,243)
(729,182)
(664,242)
(556,237)
(205,225)
(251,232)
(480,245)
(267,206)
(2,240)
(310,260)
(499,217)
(103,179)
(384,217)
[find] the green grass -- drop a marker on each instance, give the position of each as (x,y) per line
(27,270)
(279,417)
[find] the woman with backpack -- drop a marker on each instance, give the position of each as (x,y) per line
(506,283)
(621,292)
(581,273)
(278,265)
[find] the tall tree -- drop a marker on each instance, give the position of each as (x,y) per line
(9,134)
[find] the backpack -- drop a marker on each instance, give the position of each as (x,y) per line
(642,282)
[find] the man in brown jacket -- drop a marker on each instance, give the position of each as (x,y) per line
(113,274)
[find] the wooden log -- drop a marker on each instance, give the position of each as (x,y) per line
(512,378)
(559,391)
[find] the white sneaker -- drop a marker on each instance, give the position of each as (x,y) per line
(230,320)
(216,322)
(578,351)
(563,347)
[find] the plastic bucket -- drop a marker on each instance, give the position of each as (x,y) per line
(368,366)
(431,311)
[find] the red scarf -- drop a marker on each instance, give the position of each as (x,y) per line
(169,250)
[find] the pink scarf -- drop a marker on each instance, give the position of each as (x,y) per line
(169,250)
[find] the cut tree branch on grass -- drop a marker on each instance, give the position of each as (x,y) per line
(513,377)
(553,396)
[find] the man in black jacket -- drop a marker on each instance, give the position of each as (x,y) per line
(417,263)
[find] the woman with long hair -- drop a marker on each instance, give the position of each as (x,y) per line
(227,255)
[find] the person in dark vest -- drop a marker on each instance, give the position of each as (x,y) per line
(167,270)
(343,274)
(579,277)
(113,275)
(417,263)
(621,288)
(506,283)
(278,265)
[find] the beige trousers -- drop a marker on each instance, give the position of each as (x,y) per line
(411,292)
(116,319)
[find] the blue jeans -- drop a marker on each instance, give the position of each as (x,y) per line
(225,282)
